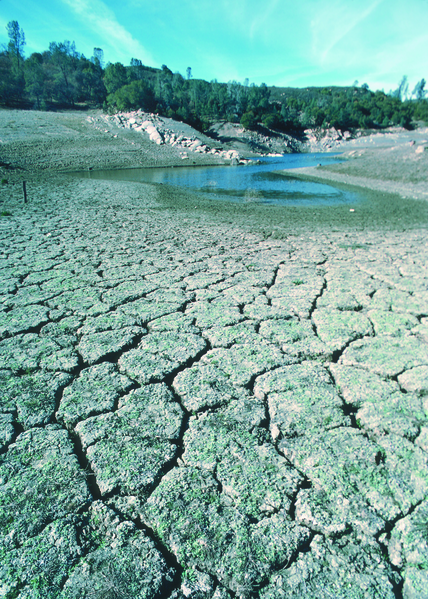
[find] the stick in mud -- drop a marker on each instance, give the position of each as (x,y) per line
(24,185)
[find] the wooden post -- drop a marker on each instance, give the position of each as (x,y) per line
(24,185)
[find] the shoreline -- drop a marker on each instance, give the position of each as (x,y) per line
(323,175)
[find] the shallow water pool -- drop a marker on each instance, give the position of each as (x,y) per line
(259,182)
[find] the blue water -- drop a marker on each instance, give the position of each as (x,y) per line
(258,183)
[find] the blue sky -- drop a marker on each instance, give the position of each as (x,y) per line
(294,43)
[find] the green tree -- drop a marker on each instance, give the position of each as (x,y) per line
(35,77)
(16,43)
(65,60)
(136,94)
(98,57)
(89,77)
(136,71)
(15,49)
(7,79)
(249,120)
(115,77)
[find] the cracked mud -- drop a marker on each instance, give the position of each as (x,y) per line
(189,409)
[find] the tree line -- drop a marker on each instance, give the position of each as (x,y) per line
(61,77)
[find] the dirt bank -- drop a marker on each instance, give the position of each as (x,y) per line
(35,142)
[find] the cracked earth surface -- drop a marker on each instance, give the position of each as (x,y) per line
(192,410)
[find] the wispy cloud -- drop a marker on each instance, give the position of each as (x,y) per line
(262,17)
(101,19)
(332,25)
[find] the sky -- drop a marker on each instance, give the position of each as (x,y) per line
(290,43)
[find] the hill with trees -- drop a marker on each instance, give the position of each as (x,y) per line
(61,77)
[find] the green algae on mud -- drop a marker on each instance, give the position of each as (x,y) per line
(376,211)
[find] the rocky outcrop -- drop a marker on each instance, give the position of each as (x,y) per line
(324,140)
(166,131)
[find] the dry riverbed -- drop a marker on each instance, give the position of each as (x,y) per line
(201,400)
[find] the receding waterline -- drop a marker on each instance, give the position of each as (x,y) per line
(255,183)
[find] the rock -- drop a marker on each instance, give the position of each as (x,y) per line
(152,132)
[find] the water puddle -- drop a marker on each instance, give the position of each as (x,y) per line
(255,183)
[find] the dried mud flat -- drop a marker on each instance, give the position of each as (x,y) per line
(210,402)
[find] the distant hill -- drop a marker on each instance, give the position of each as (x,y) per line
(61,77)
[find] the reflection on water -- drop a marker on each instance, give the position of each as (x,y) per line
(258,183)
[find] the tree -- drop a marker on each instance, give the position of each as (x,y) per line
(7,80)
(98,57)
(132,96)
(65,59)
(16,43)
(15,52)
(89,77)
(403,89)
(136,71)
(35,78)
(249,120)
(115,77)
(419,91)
